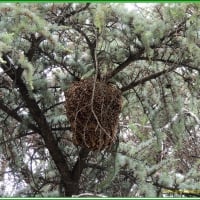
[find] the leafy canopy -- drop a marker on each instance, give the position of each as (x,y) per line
(151,54)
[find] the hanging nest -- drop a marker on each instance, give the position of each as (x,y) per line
(93,110)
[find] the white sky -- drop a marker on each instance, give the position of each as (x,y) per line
(132,6)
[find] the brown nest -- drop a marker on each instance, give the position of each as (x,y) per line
(93,110)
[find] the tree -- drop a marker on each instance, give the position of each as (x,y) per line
(150,54)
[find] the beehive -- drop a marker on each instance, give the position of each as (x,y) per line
(93,108)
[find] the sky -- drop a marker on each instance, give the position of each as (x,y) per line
(133,6)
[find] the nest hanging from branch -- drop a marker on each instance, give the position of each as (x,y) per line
(93,110)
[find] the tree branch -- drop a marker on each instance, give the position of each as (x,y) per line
(10,112)
(134,57)
(45,130)
(147,78)
(123,65)
(59,63)
(35,42)
(80,164)
(140,51)
(70,14)
(15,116)
(172,62)
(91,45)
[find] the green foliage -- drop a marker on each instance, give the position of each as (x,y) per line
(100,15)
(153,51)
(28,70)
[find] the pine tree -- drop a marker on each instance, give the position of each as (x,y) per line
(150,54)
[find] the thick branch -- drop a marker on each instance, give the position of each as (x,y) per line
(35,42)
(80,164)
(45,130)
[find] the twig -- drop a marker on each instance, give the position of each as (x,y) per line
(93,90)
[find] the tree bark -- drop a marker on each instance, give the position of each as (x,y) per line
(70,185)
